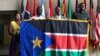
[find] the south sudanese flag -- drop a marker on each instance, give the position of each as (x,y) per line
(53,38)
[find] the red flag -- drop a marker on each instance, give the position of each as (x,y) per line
(34,7)
(93,25)
(64,8)
(85,3)
(97,26)
(50,8)
(28,5)
(27,10)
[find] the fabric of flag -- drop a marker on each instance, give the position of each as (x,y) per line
(53,38)
(98,6)
(69,11)
(59,3)
(27,14)
(76,6)
(25,9)
(97,27)
(64,8)
(92,38)
(98,19)
(34,8)
(50,8)
(22,9)
(43,9)
(91,12)
(85,3)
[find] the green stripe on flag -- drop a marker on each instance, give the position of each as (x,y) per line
(64,53)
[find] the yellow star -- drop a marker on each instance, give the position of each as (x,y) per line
(37,42)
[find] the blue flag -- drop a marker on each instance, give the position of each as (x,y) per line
(33,41)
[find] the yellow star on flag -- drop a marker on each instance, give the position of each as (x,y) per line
(37,42)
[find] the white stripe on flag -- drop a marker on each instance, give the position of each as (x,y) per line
(73,50)
(66,34)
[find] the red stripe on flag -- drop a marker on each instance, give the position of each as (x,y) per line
(68,42)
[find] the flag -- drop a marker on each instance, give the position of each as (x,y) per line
(27,14)
(85,3)
(53,38)
(98,19)
(59,3)
(91,12)
(97,26)
(69,11)
(50,8)
(22,10)
(93,39)
(43,9)
(64,8)
(98,6)
(25,10)
(76,9)
(34,7)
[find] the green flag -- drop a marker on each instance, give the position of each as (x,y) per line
(69,12)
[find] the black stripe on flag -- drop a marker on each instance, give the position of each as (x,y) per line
(58,26)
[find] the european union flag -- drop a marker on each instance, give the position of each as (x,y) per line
(33,41)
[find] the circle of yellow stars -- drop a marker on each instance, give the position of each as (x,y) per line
(37,42)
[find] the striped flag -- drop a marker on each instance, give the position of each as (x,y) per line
(69,11)
(53,38)
(64,8)
(34,7)
(50,8)
(91,12)
(22,9)
(43,9)
(97,28)
(94,31)
(25,10)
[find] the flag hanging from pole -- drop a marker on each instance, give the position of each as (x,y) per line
(85,3)
(59,3)
(69,11)
(25,10)
(22,9)
(91,12)
(76,6)
(92,19)
(34,7)
(64,8)
(43,9)
(50,8)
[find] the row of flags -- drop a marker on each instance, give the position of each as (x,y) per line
(26,12)
(26,9)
